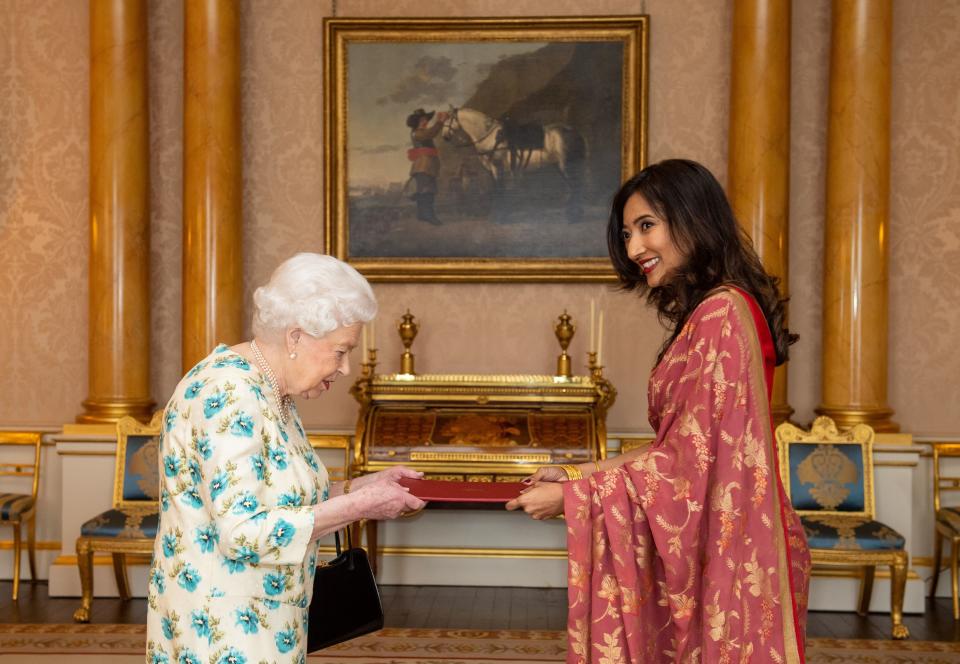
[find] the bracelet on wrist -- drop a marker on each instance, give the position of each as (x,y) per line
(573,473)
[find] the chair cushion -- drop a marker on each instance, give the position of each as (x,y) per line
(12,505)
(850,534)
(950,516)
(124,523)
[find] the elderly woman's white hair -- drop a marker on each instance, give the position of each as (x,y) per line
(314,292)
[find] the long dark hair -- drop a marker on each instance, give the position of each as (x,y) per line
(716,249)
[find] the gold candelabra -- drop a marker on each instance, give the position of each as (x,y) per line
(564,330)
(407,328)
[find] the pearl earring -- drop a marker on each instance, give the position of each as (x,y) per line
(293,356)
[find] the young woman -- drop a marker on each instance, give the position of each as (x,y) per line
(688,551)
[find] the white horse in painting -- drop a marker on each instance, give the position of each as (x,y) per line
(563,148)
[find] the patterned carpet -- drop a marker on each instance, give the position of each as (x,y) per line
(120,644)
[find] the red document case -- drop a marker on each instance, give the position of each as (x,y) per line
(463,492)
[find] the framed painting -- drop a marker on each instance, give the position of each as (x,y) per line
(480,149)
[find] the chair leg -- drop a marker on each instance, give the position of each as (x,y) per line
(120,572)
(85,565)
(32,547)
(16,559)
(898,585)
(937,560)
(866,589)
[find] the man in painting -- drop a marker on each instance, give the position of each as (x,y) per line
(425,166)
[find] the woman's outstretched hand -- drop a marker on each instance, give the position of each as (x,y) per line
(543,500)
(393,474)
(384,499)
(547,474)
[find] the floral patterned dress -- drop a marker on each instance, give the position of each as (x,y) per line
(233,564)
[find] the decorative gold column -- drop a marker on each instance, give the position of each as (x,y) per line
(119,277)
(759,152)
(858,191)
(212,155)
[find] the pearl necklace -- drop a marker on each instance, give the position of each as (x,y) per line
(283,400)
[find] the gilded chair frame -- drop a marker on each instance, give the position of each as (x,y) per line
(942,530)
(118,547)
(824,430)
(28,516)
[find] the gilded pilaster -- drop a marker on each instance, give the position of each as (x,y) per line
(212,178)
(759,151)
(119,276)
(857,216)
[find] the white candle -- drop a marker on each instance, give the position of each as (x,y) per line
(363,351)
(600,340)
(593,324)
(373,334)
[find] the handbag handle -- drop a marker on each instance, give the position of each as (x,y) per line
(336,537)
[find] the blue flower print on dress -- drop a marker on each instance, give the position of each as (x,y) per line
(169,419)
(232,656)
(207,537)
(200,622)
(188,578)
(241,425)
(219,484)
(277,456)
(282,533)
(231,361)
(271,604)
(164,499)
(214,403)
(171,465)
(201,443)
(283,434)
(193,466)
(197,369)
(170,545)
(290,499)
(234,566)
(324,497)
(191,496)
(246,503)
(257,391)
(158,580)
(296,423)
(275,583)
(311,460)
(194,389)
(159,657)
(246,555)
(187,656)
(248,620)
(168,626)
(286,640)
(259,466)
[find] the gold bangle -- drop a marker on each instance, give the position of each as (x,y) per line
(573,473)
(346,487)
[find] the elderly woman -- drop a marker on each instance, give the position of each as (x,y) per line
(244,497)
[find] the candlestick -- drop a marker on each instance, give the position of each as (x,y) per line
(593,325)
(600,340)
(373,333)
(363,344)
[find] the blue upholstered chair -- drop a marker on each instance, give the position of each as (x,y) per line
(946,521)
(130,526)
(17,509)
(828,476)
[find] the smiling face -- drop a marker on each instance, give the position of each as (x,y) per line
(647,239)
(320,361)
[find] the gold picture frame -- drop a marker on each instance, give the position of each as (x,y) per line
(530,206)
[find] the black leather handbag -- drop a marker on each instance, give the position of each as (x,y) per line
(346,600)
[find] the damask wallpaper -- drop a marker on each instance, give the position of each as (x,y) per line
(489,328)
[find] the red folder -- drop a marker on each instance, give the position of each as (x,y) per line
(463,492)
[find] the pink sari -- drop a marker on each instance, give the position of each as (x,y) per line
(691,553)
